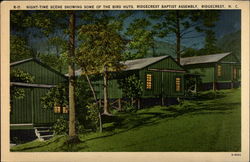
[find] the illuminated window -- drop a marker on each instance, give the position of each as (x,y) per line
(65,110)
(219,70)
(57,109)
(178,84)
(234,73)
(149,81)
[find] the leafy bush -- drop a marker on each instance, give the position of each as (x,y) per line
(17,75)
(211,94)
(61,126)
(132,87)
(93,115)
(56,96)
(80,128)
(129,108)
(183,106)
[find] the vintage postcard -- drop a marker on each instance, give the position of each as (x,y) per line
(124,81)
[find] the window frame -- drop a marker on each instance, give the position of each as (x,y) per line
(57,109)
(146,81)
(219,70)
(180,82)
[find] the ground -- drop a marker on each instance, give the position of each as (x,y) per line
(211,123)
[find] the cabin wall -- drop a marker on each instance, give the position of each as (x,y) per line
(43,75)
(29,109)
(209,73)
(205,70)
(21,109)
(228,64)
(163,83)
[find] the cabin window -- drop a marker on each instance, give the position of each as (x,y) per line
(177,84)
(234,73)
(57,109)
(65,110)
(219,70)
(149,81)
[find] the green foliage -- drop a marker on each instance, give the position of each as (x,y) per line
(214,127)
(192,85)
(17,75)
(182,23)
(129,108)
(61,126)
(101,46)
(231,43)
(184,106)
(19,48)
(55,96)
(141,39)
(93,115)
(132,87)
(210,94)
(59,63)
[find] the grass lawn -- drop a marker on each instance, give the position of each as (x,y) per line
(204,125)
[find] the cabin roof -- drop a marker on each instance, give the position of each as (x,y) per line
(39,62)
(203,59)
(141,63)
(22,61)
(134,64)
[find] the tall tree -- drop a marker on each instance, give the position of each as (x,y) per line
(100,52)
(45,23)
(182,23)
(210,46)
(141,39)
(72,117)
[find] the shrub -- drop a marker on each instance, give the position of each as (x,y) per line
(211,94)
(129,108)
(93,115)
(61,126)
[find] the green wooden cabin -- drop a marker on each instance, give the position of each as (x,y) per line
(217,71)
(162,77)
(28,111)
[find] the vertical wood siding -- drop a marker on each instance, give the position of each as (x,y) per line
(42,74)
(207,73)
(163,83)
(21,110)
(29,109)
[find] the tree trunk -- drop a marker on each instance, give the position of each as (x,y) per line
(178,37)
(91,87)
(95,98)
(105,92)
(71,68)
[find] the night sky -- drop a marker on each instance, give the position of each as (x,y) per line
(230,21)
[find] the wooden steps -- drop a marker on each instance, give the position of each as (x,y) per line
(43,133)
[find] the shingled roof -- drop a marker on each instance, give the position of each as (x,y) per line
(134,64)
(203,59)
